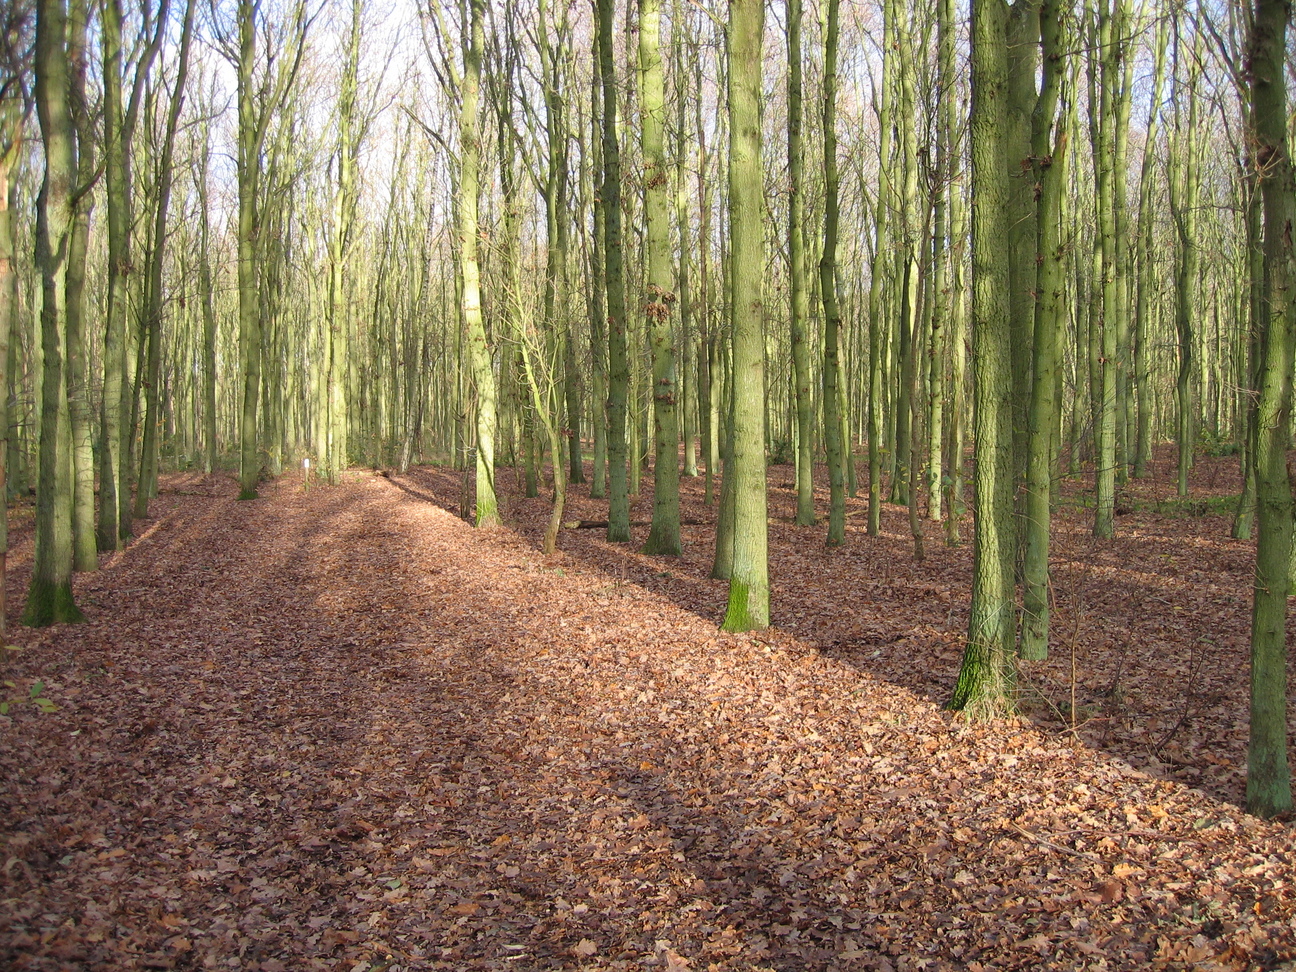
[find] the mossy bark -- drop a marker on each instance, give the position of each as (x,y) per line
(1048,158)
(659,285)
(985,680)
(797,282)
(748,607)
(833,438)
(618,346)
(49,598)
(1268,789)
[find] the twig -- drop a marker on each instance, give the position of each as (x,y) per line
(1052,846)
(1198,656)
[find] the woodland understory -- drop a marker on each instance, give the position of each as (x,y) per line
(338,728)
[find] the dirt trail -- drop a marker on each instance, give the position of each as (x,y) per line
(340,729)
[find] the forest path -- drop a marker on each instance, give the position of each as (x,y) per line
(339,728)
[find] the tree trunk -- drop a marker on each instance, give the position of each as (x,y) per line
(618,353)
(1268,775)
(12,122)
(1104,73)
(876,299)
(470,271)
(985,681)
(249,180)
(76,367)
(1141,391)
(1185,176)
(749,579)
(1048,167)
(799,305)
(659,294)
(153,312)
(49,599)
(598,295)
(832,370)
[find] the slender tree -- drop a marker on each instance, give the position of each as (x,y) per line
(1185,179)
(332,450)
(985,680)
(597,287)
(1104,71)
(469,267)
(206,285)
(1144,266)
(833,419)
(15,110)
(659,286)
(156,256)
(799,307)
(1268,775)
(260,93)
(618,350)
(749,577)
(49,598)
(76,371)
(1047,160)
(943,299)
(121,112)
(878,275)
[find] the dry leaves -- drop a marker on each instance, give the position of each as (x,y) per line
(338,728)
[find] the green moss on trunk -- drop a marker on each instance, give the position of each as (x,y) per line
(50,603)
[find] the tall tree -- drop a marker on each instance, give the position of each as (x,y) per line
(986,677)
(15,110)
(1107,51)
(618,349)
(943,299)
(749,575)
(1047,162)
(833,419)
(264,80)
(659,286)
(799,308)
(479,351)
(49,598)
(1144,267)
(76,371)
(207,295)
(153,285)
(1268,774)
(909,229)
(1022,34)
(332,449)
(1185,180)
(878,275)
(121,112)
(598,286)
(554,43)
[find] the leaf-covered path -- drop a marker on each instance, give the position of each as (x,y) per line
(340,729)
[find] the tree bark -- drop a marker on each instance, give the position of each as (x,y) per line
(749,578)
(1048,166)
(49,598)
(986,678)
(659,296)
(618,352)
(1268,775)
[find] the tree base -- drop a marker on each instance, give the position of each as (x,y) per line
(662,546)
(50,603)
(740,615)
(1268,798)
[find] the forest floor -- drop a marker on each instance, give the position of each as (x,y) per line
(338,728)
